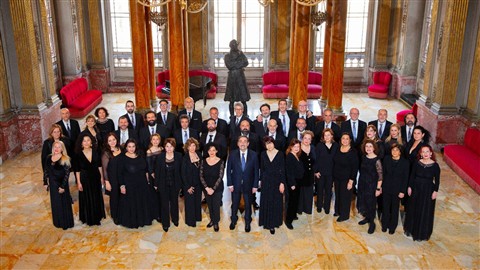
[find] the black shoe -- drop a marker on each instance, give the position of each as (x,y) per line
(289,226)
(247,228)
(232,226)
(256,206)
(335,215)
(371,227)
(165,229)
(319,210)
(363,221)
(391,231)
(216,228)
(175,223)
(341,219)
(210,224)
(272,231)
(327,211)
(384,229)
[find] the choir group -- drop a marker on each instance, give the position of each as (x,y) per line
(286,157)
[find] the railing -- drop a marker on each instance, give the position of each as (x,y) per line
(124,60)
(352,60)
(255,60)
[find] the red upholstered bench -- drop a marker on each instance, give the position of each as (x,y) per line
(78,99)
(165,76)
(465,159)
(276,83)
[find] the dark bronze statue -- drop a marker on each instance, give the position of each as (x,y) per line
(237,89)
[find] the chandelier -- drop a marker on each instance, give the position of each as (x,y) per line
(158,18)
(309,3)
(265,3)
(195,6)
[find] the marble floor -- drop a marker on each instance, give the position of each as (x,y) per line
(28,239)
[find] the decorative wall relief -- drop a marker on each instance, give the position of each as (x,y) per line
(440,41)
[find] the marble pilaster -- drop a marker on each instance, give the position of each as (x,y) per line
(279,35)
(69,36)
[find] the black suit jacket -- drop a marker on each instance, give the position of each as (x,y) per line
(280,142)
(195,120)
(74,132)
(254,142)
(234,128)
(139,121)
(145,135)
(222,127)
(243,180)
(290,113)
(292,135)
(178,135)
(320,126)
(403,131)
(219,140)
(131,135)
(171,121)
(310,122)
(347,127)
(386,129)
(260,130)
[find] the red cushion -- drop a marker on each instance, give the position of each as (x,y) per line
(70,92)
(314,78)
(276,77)
(472,140)
(465,159)
(378,88)
(86,99)
(382,77)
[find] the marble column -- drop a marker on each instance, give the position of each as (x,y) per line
(151,63)
(382,32)
(279,35)
(141,75)
(326,54)
(337,56)
(177,55)
(186,51)
(473,100)
(198,26)
(300,56)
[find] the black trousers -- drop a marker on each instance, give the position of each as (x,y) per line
(169,205)
(193,206)
(213,203)
(343,199)
(324,192)
(293,197)
(391,205)
(236,194)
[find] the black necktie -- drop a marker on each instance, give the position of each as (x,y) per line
(211,139)
(190,115)
(68,129)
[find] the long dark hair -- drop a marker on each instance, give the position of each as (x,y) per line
(106,147)
(79,147)
(426,134)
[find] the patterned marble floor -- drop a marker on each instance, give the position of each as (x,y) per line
(28,239)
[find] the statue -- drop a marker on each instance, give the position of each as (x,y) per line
(237,89)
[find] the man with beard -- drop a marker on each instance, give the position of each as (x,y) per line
(212,136)
(382,124)
(222,126)
(123,132)
(297,133)
(135,120)
(152,128)
(261,125)
(407,130)
(184,133)
(245,131)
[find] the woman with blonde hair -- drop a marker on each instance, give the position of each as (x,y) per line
(394,137)
(54,135)
(55,179)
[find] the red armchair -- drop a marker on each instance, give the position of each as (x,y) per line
(381,82)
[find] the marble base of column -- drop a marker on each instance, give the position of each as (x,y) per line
(99,78)
(402,85)
(424,100)
(10,144)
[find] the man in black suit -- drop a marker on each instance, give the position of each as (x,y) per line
(222,126)
(261,125)
(254,140)
(70,129)
(135,120)
(166,118)
(280,141)
(242,179)
(152,128)
(184,133)
(304,113)
(355,127)
(382,124)
(297,133)
(407,130)
(123,132)
(327,123)
(234,125)
(213,136)
(194,115)
(284,117)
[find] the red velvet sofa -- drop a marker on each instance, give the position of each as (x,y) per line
(78,99)
(165,75)
(465,159)
(275,84)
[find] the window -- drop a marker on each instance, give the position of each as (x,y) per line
(356,36)
(121,45)
(242,20)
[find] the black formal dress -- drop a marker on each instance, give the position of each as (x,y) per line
(105,128)
(424,180)
(272,174)
(294,173)
(156,201)
(370,173)
(91,208)
(305,201)
(395,179)
(345,168)
(110,173)
(388,146)
(411,153)
(135,207)
(191,178)
(47,149)
(168,181)
(55,175)
(324,184)
(71,133)
(212,177)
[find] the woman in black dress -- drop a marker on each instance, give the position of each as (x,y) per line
(369,184)
(55,179)
(110,159)
(88,169)
(294,172)
(153,152)
(372,134)
(325,152)
(394,187)
(55,135)
(104,124)
(394,137)
(422,189)
(305,201)
(191,182)
(421,137)
(211,176)
(134,208)
(92,130)
(273,181)
(168,181)
(345,168)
